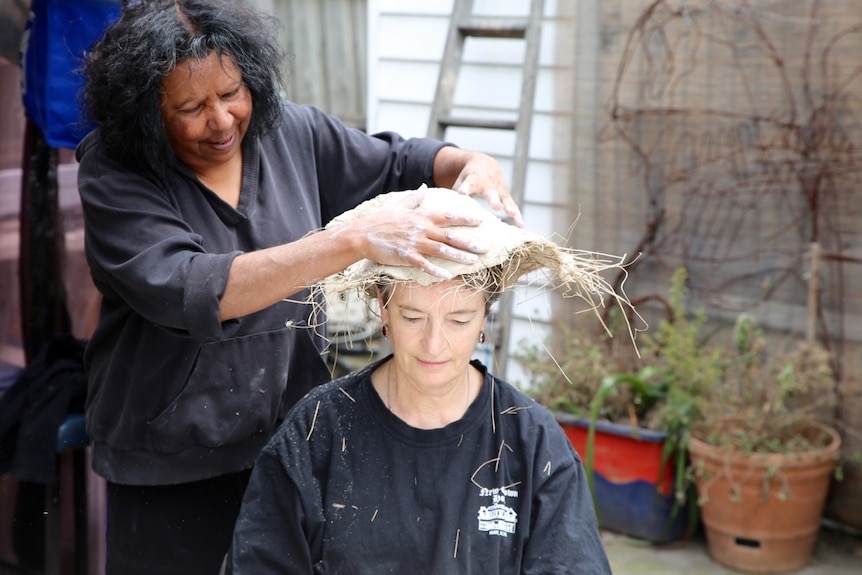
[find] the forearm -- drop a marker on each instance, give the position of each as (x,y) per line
(448,164)
(260,279)
(398,235)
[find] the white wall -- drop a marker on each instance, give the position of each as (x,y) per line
(406,42)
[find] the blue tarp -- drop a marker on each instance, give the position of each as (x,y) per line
(57,34)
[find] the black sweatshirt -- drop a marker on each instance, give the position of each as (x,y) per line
(174,394)
(346,487)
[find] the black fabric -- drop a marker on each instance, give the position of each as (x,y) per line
(346,487)
(28,526)
(32,409)
(175,394)
(180,529)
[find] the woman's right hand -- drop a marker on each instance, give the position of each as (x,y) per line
(402,234)
(398,234)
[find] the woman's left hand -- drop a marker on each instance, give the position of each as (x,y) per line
(476,173)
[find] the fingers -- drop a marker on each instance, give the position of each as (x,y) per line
(444,251)
(447,219)
(435,271)
(415,255)
(459,242)
(410,237)
(511,209)
(412,200)
(483,177)
(498,201)
(446,244)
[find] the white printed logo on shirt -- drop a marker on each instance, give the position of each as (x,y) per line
(498,518)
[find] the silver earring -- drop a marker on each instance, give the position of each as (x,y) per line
(481,337)
(385,330)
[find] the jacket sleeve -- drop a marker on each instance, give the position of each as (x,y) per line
(352,166)
(565,536)
(142,252)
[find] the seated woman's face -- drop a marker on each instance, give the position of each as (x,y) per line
(434,330)
(206,109)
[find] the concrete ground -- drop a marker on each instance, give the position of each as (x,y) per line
(837,553)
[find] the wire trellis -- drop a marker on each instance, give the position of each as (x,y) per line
(743,120)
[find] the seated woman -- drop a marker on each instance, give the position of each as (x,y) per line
(423,461)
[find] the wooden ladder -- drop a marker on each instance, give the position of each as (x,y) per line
(464,24)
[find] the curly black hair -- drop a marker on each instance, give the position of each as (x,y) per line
(124,71)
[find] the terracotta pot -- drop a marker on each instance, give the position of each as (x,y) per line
(761,512)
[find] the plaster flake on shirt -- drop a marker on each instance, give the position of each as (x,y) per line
(261,374)
(498,518)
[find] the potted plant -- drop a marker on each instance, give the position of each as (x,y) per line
(629,417)
(763,452)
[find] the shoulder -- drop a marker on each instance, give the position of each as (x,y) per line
(528,422)
(95,163)
(334,395)
(297,115)
(512,400)
(94,160)
(328,406)
(315,427)
(339,390)
(304,130)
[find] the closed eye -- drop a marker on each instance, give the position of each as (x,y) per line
(461,318)
(192,110)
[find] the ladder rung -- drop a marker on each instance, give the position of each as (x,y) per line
(490,28)
(477,123)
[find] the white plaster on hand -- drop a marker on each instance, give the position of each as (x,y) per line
(471,244)
(448,252)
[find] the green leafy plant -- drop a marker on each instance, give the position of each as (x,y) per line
(771,401)
(746,394)
(647,396)
(688,369)
(568,377)
(663,390)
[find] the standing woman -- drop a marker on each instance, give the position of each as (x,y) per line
(204,200)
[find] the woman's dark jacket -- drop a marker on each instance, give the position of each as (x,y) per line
(175,395)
